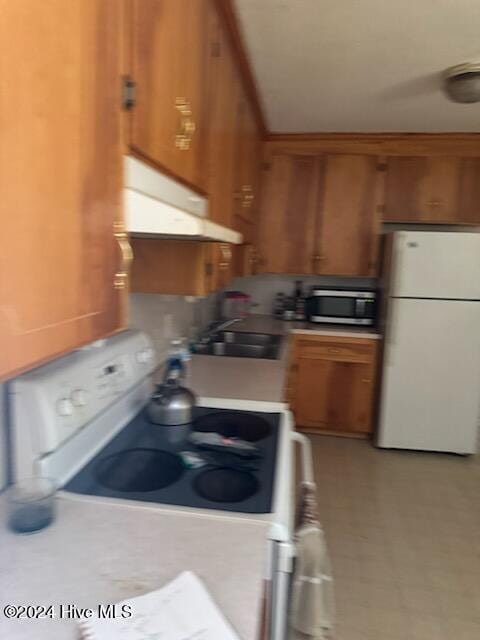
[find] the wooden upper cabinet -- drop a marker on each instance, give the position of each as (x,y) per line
(203,267)
(428,189)
(224,92)
(60,177)
(288,217)
(170,53)
(348,230)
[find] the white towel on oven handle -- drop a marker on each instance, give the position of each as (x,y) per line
(312,606)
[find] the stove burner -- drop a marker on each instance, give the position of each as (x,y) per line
(225,485)
(233,424)
(139,470)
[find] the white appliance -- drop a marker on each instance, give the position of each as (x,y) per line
(430,397)
(66,412)
(156,205)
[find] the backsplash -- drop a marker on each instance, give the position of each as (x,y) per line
(166,317)
(263,288)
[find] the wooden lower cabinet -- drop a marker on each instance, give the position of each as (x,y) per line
(180,267)
(332,383)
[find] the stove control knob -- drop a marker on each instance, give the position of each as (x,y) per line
(64,407)
(79,397)
(144,356)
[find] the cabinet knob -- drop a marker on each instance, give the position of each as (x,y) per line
(247,196)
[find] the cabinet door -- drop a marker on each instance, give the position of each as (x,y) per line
(469,191)
(422,189)
(348,233)
(220,265)
(248,158)
(333,395)
(288,215)
(170,55)
(244,258)
(222,151)
(60,177)
(173,267)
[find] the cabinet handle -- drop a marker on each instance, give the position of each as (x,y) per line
(187,125)
(126,252)
(318,258)
(331,350)
(434,203)
(366,380)
(247,196)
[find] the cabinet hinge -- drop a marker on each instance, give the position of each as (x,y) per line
(216,49)
(381,166)
(128,93)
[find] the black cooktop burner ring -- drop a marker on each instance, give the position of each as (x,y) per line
(139,470)
(234,424)
(222,484)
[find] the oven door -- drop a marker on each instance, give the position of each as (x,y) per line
(281,554)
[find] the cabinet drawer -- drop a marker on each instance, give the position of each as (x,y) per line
(358,351)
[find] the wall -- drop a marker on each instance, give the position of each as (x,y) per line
(263,288)
(166,317)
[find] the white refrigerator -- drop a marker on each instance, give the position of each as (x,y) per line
(430,394)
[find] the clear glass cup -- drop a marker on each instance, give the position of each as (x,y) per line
(30,505)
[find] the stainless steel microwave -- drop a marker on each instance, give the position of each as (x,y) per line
(342,306)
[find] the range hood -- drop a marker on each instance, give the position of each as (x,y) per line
(157,206)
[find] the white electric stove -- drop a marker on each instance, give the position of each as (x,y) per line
(81,421)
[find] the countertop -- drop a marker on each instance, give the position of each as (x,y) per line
(99,552)
(257,379)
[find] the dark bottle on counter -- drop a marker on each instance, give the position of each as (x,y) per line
(299,301)
(279,305)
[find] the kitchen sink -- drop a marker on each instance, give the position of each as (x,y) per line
(241,345)
(242,337)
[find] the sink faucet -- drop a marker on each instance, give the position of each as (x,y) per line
(215,327)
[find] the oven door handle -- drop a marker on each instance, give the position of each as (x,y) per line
(307,459)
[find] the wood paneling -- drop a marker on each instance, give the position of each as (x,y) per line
(347,233)
(331,384)
(381,144)
(170,61)
(229,17)
(288,219)
(60,177)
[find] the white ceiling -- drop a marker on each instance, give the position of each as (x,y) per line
(360,65)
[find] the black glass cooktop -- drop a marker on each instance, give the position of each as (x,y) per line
(234,424)
(142,462)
